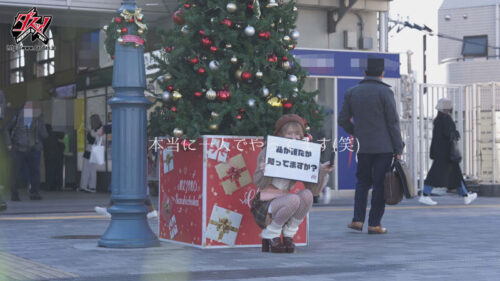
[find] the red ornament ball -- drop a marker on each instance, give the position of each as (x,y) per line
(194,60)
(177,17)
(316,112)
(168,49)
(227,22)
(250,6)
(174,109)
(284,58)
(187,6)
(287,105)
(124,30)
(198,94)
(202,32)
(113,57)
(131,20)
(272,58)
(223,95)
(205,41)
(118,20)
(239,117)
(242,110)
(201,70)
(170,88)
(246,75)
(213,49)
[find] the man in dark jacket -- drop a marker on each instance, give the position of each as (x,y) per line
(369,114)
(23,137)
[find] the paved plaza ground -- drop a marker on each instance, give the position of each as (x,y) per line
(449,241)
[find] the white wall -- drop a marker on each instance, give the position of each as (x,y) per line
(312,25)
(480,21)
(474,71)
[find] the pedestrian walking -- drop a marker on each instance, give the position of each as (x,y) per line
(24,136)
(445,170)
(369,114)
(275,209)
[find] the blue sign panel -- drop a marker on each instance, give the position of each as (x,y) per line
(339,63)
(346,144)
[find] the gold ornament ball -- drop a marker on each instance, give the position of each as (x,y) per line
(137,45)
(178,132)
(275,102)
(120,40)
(119,31)
(105,28)
(259,74)
(140,31)
(286,38)
(176,96)
(234,60)
(286,65)
(237,74)
(213,127)
(167,76)
(229,46)
(211,94)
(214,115)
(308,129)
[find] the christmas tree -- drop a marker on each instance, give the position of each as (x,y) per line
(226,69)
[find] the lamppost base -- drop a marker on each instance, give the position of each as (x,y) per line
(129,228)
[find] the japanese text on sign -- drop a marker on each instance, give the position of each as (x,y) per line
(292,159)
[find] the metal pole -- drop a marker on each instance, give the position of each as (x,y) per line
(494,131)
(425,62)
(129,227)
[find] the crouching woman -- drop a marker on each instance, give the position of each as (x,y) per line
(275,209)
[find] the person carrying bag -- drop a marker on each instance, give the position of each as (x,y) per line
(97,152)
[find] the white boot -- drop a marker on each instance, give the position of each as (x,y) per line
(291,227)
(271,231)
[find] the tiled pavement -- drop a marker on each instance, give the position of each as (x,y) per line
(447,242)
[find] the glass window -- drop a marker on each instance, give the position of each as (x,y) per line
(45,59)
(475,46)
(17,64)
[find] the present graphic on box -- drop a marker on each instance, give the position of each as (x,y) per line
(223,226)
(167,207)
(172,227)
(218,150)
(233,174)
(168,161)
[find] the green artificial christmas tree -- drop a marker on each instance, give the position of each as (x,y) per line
(226,69)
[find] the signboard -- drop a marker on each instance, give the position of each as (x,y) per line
(292,159)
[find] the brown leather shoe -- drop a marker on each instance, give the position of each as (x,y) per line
(376,230)
(356,225)
(288,242)
(273,245)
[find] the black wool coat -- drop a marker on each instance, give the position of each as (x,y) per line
(443,172)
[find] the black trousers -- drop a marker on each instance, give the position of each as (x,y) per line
(371,172)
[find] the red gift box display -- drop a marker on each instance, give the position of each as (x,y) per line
(206,193)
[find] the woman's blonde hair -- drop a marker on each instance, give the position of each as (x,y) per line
(288,125)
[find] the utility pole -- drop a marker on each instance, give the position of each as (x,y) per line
(425,62)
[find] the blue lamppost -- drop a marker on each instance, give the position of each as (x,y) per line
(129,227)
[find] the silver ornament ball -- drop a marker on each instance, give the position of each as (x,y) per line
(213,65)
(286,38)
(292,78)
(178,132)
(249,31)
(167,76)
(294,34)
(259,74)
(231,7)
(211,94)
(251,102)
(265,92)
(165,96)
(286,65)
(185,29)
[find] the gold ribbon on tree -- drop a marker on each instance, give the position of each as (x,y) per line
(223,226)
(137,16)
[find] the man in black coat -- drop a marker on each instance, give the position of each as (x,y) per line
(369,114)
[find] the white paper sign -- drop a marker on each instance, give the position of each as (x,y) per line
(292,159)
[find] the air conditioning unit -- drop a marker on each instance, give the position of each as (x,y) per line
(350,41)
